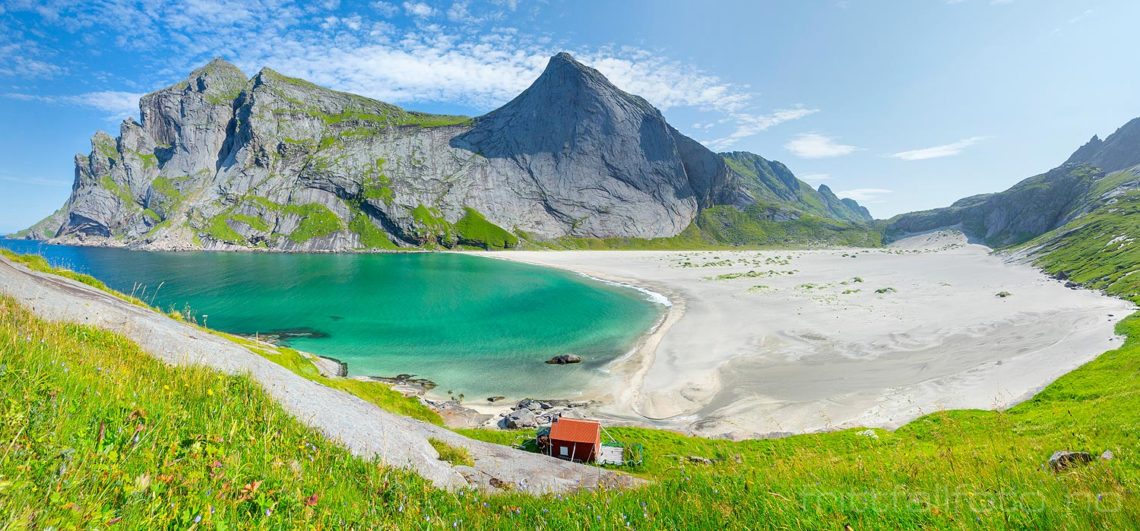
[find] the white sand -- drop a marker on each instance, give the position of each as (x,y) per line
(807,348)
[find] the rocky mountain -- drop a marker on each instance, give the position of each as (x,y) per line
(222,161)
(1095,177)
(772,182)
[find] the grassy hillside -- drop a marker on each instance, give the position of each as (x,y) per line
(725,227)
(94,432)
(1099,249)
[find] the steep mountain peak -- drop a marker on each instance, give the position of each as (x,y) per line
(1118,151)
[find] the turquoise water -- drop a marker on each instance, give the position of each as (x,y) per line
(473,325)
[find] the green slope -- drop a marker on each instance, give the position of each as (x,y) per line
(95,433)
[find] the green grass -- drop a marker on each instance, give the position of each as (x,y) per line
(451,454)
(377,393)
(432,227)
(474,229)
(419,119)
(167,187)
(377,185)
(1098,250)
(725,227)
(122,193)
(218,228)
(371,237)
(253,222)
(317,221)
(72,399)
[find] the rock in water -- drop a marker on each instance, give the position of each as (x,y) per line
(222,161)
(563,359)
(1062,460)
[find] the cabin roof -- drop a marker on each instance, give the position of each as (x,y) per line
(574,430)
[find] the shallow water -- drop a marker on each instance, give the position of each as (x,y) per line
(476,326)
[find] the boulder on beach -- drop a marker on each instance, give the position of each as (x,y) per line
(564,359)
(519,419)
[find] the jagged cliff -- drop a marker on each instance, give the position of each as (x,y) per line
(1096,176)
(222,161)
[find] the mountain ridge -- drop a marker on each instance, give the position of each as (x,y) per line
(225,161)
(1095,176)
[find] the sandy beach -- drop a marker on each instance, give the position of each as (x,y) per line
(760,343)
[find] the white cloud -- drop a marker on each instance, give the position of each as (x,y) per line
(118,105)
(817,146)
(113,102)
(934,152)
(25,59)
(418,9)
(385,9)
(440,61)
(750,124)
(865,195)
(35,181)
(815,177)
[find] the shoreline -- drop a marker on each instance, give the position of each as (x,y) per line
(803,352)
(797,354)
(615,397)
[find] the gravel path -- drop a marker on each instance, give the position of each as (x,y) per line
(363,428)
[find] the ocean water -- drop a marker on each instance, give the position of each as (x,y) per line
(473,325)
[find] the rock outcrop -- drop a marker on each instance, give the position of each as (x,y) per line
(222,161)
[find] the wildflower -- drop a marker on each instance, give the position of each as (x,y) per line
(197,518)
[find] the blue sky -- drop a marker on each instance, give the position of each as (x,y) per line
(903,105)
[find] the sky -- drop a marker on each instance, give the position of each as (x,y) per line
(901,105)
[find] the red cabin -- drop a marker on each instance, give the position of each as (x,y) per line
(575,440)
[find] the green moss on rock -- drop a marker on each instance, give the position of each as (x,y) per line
(474,229)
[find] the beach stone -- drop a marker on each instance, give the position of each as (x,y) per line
(493,399)
(1107,455)
(1061,460)
(564,359)
(519,419)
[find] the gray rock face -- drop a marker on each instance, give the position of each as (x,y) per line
(1119,151)
(1032,207)
(222,161)
(770,181)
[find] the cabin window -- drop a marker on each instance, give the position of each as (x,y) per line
(563,451)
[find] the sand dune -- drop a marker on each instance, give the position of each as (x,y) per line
(764,342)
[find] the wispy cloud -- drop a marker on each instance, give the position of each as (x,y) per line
(463,54)
(418,9)
(815,178)
(748,124)
(118,105)
(935,152)
(35,181)
(817,146)
(865,195)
